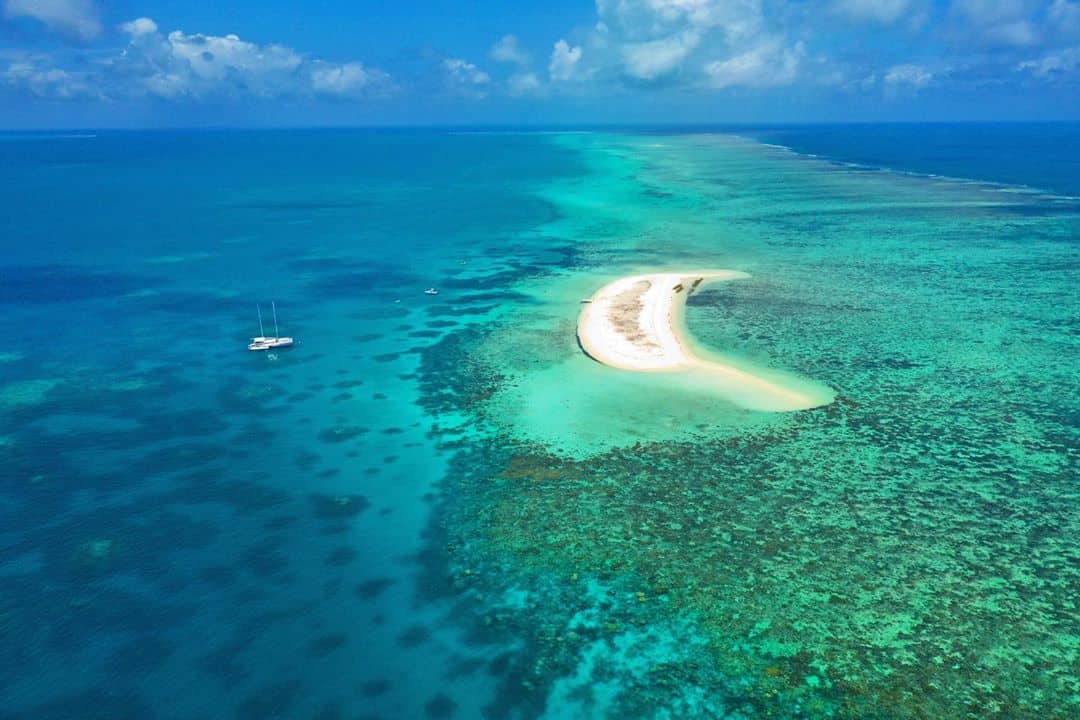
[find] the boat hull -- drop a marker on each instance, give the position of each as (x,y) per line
(261,344)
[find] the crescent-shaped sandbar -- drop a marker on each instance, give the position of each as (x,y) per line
(636,323)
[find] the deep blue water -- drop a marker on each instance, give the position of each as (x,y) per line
(1045,156)
(191,530)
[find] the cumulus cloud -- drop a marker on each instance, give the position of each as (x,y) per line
(564,61)
(347,80)
(654,19)
(38,77)
(201,64)
(507,50)
(1065,16)
(634,44)
(914,77)
(196,67)
(465,78)
(770,64)
(77,19)
(880,11)
(999,22)
(139,26)
(699,43)
(1055,65)
(652,59)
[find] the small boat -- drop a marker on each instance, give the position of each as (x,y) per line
(431,291)
(264,342)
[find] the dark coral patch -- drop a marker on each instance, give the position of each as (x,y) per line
(415,636)
(342,433)
(271,701)
(24,284)
(375,688)
(326,644)
(373,588)
(341,556)
(338,507)
(440,706)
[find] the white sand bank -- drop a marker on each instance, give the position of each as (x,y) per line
(636,323)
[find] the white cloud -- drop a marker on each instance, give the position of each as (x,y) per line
(770,64)
(466,78)
(910,76)
(345,80)
(564,61)
(198,67)
(523,84)
(75,18)
(880,11)
(655,58)
(42,80)
(999,22)
(657,41)
(1053,65)
(216,58)
(1065,15)
(652,19)
(139,26)
(507,50)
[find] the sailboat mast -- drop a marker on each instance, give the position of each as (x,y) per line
(273,306)
(262,333)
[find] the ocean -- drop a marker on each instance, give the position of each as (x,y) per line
(436,506)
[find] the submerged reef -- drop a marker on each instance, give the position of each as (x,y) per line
(854,561)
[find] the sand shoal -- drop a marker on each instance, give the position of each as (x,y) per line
(636,323)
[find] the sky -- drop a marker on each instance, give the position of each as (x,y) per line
(169,63)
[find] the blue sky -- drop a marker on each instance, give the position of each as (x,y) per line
(162,63)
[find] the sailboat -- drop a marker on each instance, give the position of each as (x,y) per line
(264,342)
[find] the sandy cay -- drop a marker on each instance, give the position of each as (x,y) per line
(636,323)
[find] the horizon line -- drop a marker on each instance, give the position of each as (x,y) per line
(533,127)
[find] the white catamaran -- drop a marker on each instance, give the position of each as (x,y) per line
(268,343)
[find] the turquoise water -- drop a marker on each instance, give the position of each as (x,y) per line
(436,506)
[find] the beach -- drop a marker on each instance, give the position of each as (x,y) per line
(636,323)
